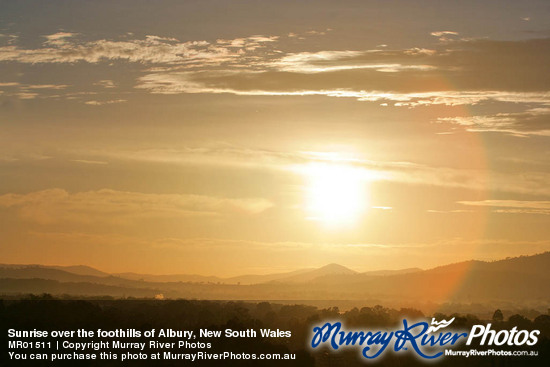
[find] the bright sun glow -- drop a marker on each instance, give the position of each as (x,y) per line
(336,194)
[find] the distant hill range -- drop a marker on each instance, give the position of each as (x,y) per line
(513,280)
(82,273)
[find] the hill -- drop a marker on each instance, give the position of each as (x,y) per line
(523,280)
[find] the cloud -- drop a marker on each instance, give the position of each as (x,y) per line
(59,38)
(220,82)
(144,51)
(449,211)
(329,61)
(513,206)
(106,83)
(533,121)
(445,36)
(462,72)
(29,91)
(45,86)
(466,72)
(248,43)
(442,33)
(65,48)
(529,182)
(58,206)
(101,103)
(88,161)
(25,95)
(8,39)
(26,87)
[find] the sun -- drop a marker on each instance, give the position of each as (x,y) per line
(336,194)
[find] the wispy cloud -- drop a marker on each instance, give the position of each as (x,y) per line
(88,161)
(462,72)
(59,38)
(445,36)
(529,182)
(449,211)
(188,82)
(533,121)
(65,48)
(106,83)
(513,206)
(101,103)
(58,206)
(28,91)
(442,33)
(330,61)
(45,86)
(363,75)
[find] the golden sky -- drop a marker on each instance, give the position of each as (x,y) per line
(225,138)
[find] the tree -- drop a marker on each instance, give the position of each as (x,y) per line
(498,316)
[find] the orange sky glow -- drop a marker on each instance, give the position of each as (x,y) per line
(256,137)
